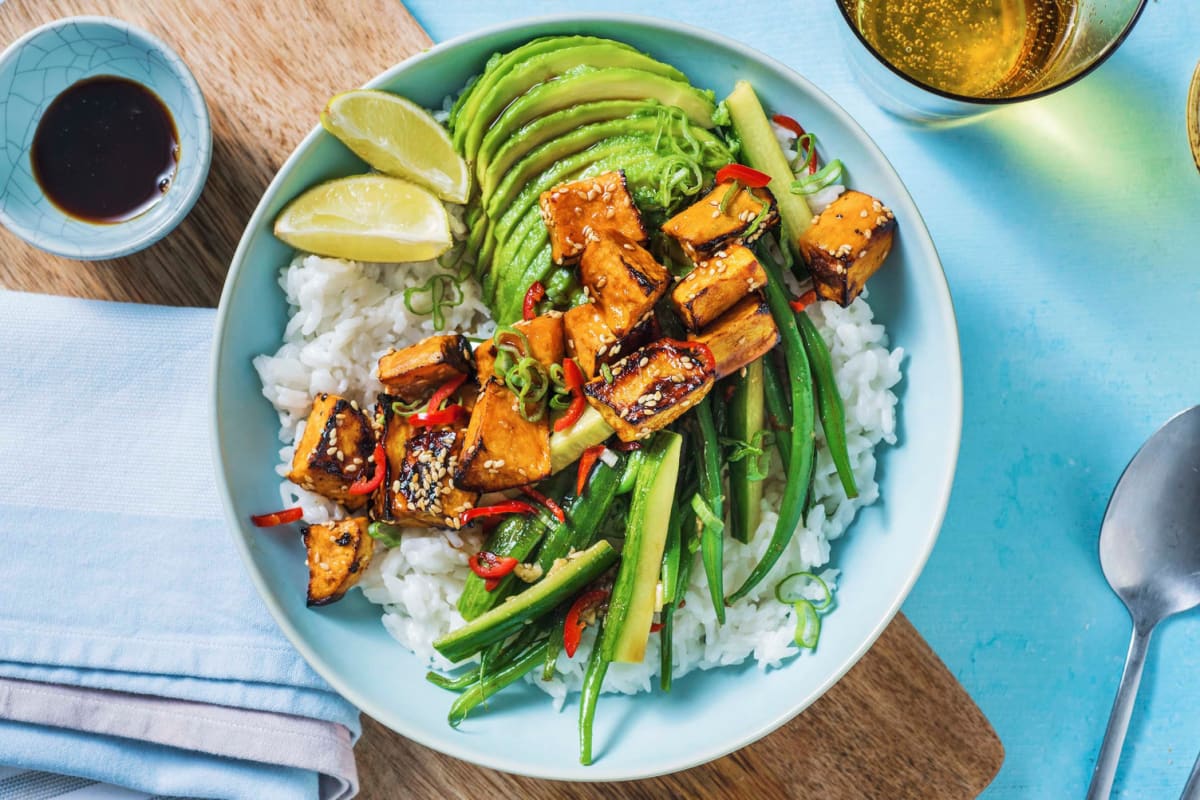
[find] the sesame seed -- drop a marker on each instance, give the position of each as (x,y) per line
(716,214)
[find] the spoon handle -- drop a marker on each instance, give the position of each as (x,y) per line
(1122,710)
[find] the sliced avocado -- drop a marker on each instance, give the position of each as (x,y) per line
(560,584)
(586,85)
(510,296)
(551,126)
(631,608)
(546,68)
(465,109)
(567,446)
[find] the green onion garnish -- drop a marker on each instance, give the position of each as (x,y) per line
(827,175)
(808,625)
(794,588)
(705,513)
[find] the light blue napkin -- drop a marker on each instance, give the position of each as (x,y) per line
(117,574)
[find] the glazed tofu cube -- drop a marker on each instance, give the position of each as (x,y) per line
(743,334)
(337,555)
(415,372)
(704,228)
(624,280)
(334,450)
(587,210)
(652,387)
(418,488)
(846,244)
(544,334)
(718,281)
(588,337)
(501,449)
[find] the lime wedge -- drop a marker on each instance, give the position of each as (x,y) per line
(398,137)
(367,218)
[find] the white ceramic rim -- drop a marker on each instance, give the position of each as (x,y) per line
(204,137)
(918,233)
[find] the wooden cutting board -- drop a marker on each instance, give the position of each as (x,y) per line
(897,726)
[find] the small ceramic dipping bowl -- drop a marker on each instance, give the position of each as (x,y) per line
(34,70)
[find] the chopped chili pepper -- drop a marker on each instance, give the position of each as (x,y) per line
(548,502)
(491,584)
(586,462)
(487,564)
(747,176)
(278,517)
(446,416)
(511,507)
(805,300)
(627,447)
(784,121)
(573,379)
(444,391)
(535,295)
(655,627)
(577,618)
(364,485)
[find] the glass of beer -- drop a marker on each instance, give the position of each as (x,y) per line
(944,60)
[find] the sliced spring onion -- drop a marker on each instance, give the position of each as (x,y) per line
(826,176)
(610,458)
(797,586)
(705,513)
(808,625)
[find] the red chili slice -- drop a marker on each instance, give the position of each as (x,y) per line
(446,416)
(511,507)
(548,502)
(364,485)
(490,566)
(535,295)
(586,462)
(747,176)
(576,618)
(804,301)
(573,378)
(655,627)
(784,121)
(278,517)
(444,391)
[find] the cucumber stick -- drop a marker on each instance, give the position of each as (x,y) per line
(631,607)
(761,150)
(746,420)
(567,446)
(517,536)
(539,599)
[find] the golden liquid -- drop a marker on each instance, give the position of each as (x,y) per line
(976,48)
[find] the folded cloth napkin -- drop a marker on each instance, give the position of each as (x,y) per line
(133,648)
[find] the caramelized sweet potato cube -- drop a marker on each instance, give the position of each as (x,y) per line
(544,334)
(415,372)
(418,488)
(334,450)
(501,449)
(652,387)
(846,244)
(624,280)
(741,335)
(718,282)
(585,210)
(703,228)
(337,555)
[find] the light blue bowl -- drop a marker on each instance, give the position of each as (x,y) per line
(34,70)
(706,714)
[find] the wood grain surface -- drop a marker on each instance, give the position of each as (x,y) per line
(897,726)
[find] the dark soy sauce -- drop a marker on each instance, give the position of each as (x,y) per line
(105,150)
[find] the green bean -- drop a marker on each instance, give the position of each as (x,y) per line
(458,684)
(629,476)
(485,688)
(778,410)
(554,644)
(593,680)
(829,402)
(584,515)
(712,541)
(800,465)
(687,531)
(517,536)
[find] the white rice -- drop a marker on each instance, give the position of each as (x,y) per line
(344,316)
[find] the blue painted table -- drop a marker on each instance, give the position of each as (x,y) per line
(1069,228)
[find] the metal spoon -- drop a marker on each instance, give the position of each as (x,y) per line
(1150,553)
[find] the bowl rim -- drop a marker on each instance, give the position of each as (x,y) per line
(51,243)
(954,402)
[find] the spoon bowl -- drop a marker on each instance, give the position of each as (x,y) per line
(1150,554)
